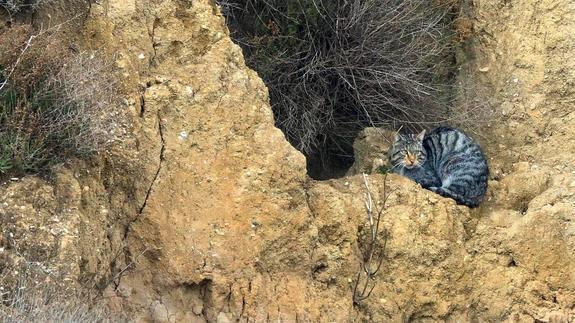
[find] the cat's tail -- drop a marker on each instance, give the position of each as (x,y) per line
(460,199)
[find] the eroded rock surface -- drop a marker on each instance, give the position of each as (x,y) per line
(370,151)
(206,214)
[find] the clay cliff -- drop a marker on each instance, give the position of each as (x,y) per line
(205,212)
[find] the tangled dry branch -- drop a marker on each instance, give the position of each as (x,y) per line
(14,6)
(335,67)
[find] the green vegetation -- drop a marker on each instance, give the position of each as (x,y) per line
(383,170)
(53,105)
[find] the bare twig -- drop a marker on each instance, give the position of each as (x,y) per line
(15,6)
(371,260)
(29,44)
(116,279)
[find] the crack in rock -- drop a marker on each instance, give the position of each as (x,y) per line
(157,174)
(162,157)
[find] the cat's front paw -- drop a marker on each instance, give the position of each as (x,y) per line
(433,189)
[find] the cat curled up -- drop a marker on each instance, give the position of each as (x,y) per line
(445,161)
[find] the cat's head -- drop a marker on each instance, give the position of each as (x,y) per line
(407,151)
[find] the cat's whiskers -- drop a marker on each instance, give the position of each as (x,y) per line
(398,165)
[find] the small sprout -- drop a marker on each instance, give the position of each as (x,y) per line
(383,170)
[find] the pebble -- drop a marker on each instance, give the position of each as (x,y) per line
(218,36)
(197,309)
(183,135)
(125,291)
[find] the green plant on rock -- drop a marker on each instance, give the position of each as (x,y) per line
(5,158)
(68,112)
(383,170)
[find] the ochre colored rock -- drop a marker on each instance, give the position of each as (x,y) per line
(205,212)
(370,151)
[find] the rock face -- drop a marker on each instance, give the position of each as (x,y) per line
(370,151)
(205,212)
(207,218)
(525,53)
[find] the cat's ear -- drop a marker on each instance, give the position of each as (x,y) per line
(421,135)
(397,136)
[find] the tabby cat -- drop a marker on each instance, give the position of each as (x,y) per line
(445,161)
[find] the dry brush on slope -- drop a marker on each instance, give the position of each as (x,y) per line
(333,68)
(55,104)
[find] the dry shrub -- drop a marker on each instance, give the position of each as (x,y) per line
(55,105)
(47,306)
(30,300)
(11,38)
(14,6)
(335,67)
(33,56)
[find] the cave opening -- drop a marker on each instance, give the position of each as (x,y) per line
(335,67)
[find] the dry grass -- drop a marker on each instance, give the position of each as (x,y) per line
(48,306)
(30,300)
(55,104)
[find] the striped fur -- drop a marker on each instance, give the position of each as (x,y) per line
(445,161)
